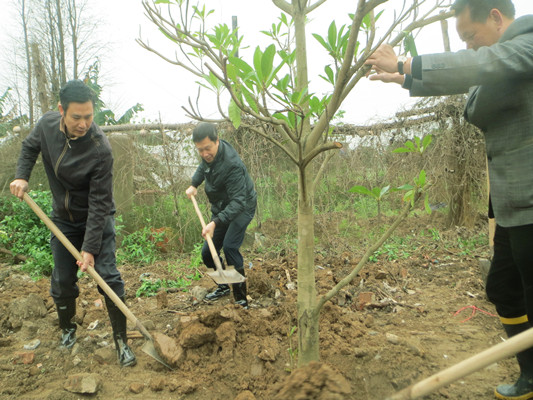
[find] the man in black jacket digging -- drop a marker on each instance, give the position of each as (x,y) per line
(78,163)
(233,199)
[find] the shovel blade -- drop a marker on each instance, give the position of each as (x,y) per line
(149,349)
(228,275)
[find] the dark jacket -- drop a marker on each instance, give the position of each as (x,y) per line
(79,172)
(228,185)
(499,79)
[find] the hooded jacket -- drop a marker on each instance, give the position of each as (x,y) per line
(79,173)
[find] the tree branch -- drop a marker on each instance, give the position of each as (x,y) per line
(283,6)
(320,149)
(346,280)
(314,6)
(320,172)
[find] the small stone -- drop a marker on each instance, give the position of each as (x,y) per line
(168,349)
(24,357)
(83,383)
(392,338)
(198,292)
(105,355)
(76,361)
(246,395)
(157,384)
(136,387)
(32,345)
(162,299)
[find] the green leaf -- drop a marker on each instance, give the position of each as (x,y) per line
(361,190)
(250,100)
(332,35)
(401,150)
(384,191)
(422,178)
(234,114)
(321,40)
(426,141)
(240,64)
(162,2)
(258,55)
(267,60)
(409,45)
(426,204)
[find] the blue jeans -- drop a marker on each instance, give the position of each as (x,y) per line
(229,238)
(64,276)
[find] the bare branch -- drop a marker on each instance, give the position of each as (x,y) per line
(320,149)
(283,6)
(320,172)
(314,6)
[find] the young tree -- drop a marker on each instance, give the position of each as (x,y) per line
(274,90)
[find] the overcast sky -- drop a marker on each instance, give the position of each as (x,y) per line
(132,75)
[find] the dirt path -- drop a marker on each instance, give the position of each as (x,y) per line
(393,326)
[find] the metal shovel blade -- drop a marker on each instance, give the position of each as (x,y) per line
(228,275)
(149,348)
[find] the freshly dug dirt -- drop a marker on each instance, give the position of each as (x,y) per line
(394,325)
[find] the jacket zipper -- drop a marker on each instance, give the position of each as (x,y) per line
(67,145)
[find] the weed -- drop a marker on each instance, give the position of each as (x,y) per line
(22,232)
(293,352)
(139,247)
(150,287)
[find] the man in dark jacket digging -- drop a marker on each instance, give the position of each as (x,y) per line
(233,199)
(497,72)
(78,162)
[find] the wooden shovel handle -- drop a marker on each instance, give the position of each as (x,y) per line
(210,243)
(512,346)
(90,270)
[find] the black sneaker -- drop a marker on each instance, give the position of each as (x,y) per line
(521,390)
(220,291)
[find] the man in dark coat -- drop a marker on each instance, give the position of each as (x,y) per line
(79,165)
(233,199)
(497,72)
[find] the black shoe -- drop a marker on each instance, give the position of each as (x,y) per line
(68,338)
(242,303)
(220,291)
(125,355)
(66,309)
(521,390)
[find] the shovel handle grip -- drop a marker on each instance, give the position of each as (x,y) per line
(210,243)
(90,270)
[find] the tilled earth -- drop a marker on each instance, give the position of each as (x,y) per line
(394,325)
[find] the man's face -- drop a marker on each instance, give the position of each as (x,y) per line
(207,149)
(478,34)
(78,118)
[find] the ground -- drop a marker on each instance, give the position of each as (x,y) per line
(394,325)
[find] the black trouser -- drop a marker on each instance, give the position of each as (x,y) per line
(64,276)
(229,238)
(510,278)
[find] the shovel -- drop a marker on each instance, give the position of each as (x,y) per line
(220,276)
(148,347)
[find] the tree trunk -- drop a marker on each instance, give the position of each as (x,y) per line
(28,62)
(307,300)
(61,32)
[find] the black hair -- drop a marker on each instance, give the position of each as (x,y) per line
(76,91)
(480,9)
(203,130)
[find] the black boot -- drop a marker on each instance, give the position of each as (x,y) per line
(239,294)
(66,309)
(126,357)
(220,291)
(522,389)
